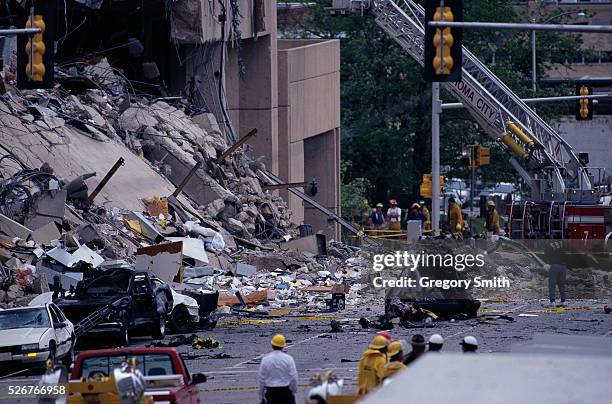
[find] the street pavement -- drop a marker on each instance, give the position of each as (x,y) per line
(232,368)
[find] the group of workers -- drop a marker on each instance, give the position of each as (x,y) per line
(278,377)
(385,356)
(392,219)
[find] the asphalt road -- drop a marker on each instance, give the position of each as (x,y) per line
(232,368)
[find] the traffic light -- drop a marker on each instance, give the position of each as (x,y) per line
(443,51)
(35,53)
(35,49)
(584,106)
(483,156)
(425,188)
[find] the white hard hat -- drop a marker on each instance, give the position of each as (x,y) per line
(436,339)
(469,340)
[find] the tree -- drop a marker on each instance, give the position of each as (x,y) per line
(386,105)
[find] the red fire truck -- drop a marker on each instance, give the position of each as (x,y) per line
(561,220)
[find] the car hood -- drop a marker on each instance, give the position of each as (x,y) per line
(21,336)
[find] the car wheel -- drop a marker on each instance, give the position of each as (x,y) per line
(179,319)
(159,330)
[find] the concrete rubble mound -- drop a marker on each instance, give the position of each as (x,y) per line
(221,233)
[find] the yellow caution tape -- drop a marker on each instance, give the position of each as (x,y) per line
(316,317)
(559,309)
(252,321)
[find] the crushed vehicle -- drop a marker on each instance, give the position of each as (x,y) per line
(165,375)
(138,306)
(33,334)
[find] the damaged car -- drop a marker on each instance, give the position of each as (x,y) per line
(138,306)
(33,334)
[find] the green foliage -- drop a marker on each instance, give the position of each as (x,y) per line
(354,196)
(386,106)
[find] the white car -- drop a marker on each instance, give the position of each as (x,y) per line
(34,334)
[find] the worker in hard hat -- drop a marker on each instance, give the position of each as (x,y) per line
(372,364)
(425,211)
(395,352)
(386,334)
(278,375)
(418,348)
(469,344)
(377,219)
(455,218)
(415,213)
(435,343)
(394,216)
(492,221)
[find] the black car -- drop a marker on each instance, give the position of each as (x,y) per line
(138,307)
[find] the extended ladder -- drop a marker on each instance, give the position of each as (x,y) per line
(95,318)
(547,156)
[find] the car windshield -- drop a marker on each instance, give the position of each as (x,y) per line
(149,365)
(24,318)
(114,283)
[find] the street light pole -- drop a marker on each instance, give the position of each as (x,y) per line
(533,44)
(436,109)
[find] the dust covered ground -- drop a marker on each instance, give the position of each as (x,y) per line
(232,368)
(316,349)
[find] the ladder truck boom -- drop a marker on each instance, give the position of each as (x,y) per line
(542,157)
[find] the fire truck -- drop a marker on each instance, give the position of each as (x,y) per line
(561,220)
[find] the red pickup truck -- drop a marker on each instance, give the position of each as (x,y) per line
(167,378)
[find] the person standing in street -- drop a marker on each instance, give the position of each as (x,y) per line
(278,377)
(425,211)
(469,344)
(372,364)
(455,217)
(396,359)
(394,216)
(557,270)
(492,222)
(418,349)
(435,343)
(377,219)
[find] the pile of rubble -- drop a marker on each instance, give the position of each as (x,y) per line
(224,233)
(94,103)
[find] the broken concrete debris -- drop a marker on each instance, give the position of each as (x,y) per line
(227,255)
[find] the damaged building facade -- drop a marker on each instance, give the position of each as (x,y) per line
(288,89)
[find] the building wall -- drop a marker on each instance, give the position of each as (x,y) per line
(289,90)
(309,122)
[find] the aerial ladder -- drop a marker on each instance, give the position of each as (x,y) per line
(540,156)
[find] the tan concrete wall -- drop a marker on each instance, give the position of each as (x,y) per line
(309,108)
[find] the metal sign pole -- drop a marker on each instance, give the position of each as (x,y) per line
(435,158)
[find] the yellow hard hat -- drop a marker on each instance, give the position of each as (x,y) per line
(491,203)
(416,205)
(394,348)
(458,227)
(378,342)
(279,341)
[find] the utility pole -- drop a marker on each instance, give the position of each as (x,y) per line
(436,109)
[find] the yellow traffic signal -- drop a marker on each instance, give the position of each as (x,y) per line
(35,49)
(443,41)
(443,53)
(584,106)
(425,188)
(483,156)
